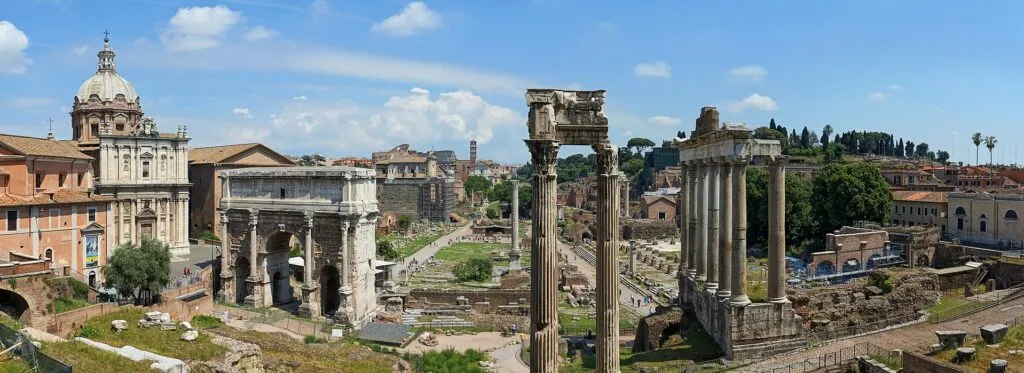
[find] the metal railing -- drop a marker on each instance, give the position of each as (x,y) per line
(31,354)
(278,318)
(831,359)
(978,303)
(818,337)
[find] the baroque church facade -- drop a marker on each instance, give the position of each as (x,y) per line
(142,170)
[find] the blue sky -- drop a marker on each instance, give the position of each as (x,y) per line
(351,77)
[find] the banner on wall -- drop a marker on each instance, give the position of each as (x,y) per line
(92,251)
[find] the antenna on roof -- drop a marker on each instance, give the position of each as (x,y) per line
(49,134)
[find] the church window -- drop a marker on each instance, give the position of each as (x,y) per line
(92,214)
(145,169)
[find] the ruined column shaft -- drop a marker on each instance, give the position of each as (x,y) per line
(714,184)
(725,232)
(307,250)
(544,254)
(515,263)
(684,230)
(254,244)
(227,289)
(691,225)
(701,228)
(776,232)
(739,226)
(607,258)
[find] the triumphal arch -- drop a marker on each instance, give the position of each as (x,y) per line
(329,212)
(713,204)
(558,118)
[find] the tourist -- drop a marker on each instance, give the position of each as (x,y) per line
(513,328)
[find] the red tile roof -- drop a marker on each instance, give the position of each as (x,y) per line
(915,196)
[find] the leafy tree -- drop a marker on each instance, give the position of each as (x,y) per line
(834,153)
(825,134)
(525,172)
(633,167)
(814,139)
(805,138)
(942,156)
(492,212)
(899,149)
(843,194)
(976,139)
(909,149)
(771,124)
(476,269)
(386,250)
(139,270)
(624,155)
(404,222)
(921,150)
(765,133)
(799,222)
(314,159)
(990,143)
(476,183)
(640,144)
(502,192)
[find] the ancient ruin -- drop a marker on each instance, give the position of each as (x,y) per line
(714,161)
(571,118)
(330,211)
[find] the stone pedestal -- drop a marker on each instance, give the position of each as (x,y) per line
(227,286)
(310,306)
(345,314)
(255,297)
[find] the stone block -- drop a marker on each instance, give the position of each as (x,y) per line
(994,333)
(119,325)
(186,325)
(189,335)
(997,366)
(951,338)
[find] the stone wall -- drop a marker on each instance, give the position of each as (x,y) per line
(426,299)
(948,254)
(916,363)
(1007,273)
(399,198)
(957,280)
(645,229)
(68,322)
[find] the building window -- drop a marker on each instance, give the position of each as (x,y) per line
(145,169)
(60,179)
(960,211)
(12,220)
(661,215)
(1010,215)
(49,253)
(959,224)
(919,211)
(39,180)
(904,209)
(982,224)
(92,214)
(282,193)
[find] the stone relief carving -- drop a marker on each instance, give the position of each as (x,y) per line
(607,158)
(127,164)
(163,162)
(544,155)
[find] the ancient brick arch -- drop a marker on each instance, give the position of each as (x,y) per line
(331,217)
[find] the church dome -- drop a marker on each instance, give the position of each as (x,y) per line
(106,83)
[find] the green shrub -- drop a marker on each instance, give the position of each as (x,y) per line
(309,339)
(475,269)
(67,304)
(89,331)
(81,289)
(205,322)
(448,361)
(295,251)
(209,236)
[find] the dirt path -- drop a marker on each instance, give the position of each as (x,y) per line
(432,248)
(508,361)
(911,338)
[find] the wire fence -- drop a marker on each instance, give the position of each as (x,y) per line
(279,319)
(29,353)
(835,359)
(820,336)
(959,307)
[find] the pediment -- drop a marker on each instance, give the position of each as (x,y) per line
(982,197)
(92,228)
(147,213)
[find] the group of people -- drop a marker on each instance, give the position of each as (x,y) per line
(642,301)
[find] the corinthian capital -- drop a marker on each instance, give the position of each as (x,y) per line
(544,156)
(607,158)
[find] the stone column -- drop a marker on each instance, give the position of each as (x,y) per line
(739,238)
(515,253)
(714,186)
(625,196)
(701,225)
(691,225)
(252,282)
(607,248)
(345,309)
(310,306)
(227,291)
(544,254)
(777,231)
(684,222)
(725,233)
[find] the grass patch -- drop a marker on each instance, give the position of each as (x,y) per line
(412,246)
(84,358)
(583,324)
(284,353)
(68,304)
(983,354)
(167,343)
(953,305)
(15,365)
(448,361)
(675,355)
(7,320)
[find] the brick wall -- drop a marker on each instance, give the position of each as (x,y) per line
(916,363)
(399,198)
(447,297)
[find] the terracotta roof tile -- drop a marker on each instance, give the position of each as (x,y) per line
(34,146)
(58,197)
(916,196)
(220,154)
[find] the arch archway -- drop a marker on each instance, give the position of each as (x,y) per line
(278,246)
(824,268)
(873,261)
(330,283)
(92,279)
(851,265)
(923,261)
(14,305)
(242,273)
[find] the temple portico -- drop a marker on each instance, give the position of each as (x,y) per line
(713,279)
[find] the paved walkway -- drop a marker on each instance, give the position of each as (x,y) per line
(627,297)
(911,338)
(432,248)
(508,361)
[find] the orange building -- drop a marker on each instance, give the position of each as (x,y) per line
(49,209)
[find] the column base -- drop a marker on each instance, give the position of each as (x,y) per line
(723,294)
(711,285)
(778,300)
(741,300)
(310,306)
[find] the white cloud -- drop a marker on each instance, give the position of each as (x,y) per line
(242,112)
(750,73)
(198,28)
(415,117)
(895,87)
(877,96)
(662,120)
(413,19)
(259,33)
(755,102)
(80,50)
(656,69)
(27,102)
(300,98)
(13,43)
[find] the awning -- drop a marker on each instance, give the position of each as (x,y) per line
(297,261)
